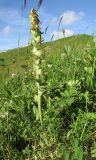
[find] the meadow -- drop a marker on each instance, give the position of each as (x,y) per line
(68,130)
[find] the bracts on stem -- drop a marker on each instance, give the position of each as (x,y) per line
(37,54)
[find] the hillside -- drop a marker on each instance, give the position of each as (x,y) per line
(17,60)
(53,117)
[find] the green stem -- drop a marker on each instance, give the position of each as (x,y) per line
(39,103)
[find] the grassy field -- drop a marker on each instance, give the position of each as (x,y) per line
(68,102)
(14,61)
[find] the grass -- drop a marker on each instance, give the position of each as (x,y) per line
(17,59)
(68,102)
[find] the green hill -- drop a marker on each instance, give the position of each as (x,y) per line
(68,102)
(16,60)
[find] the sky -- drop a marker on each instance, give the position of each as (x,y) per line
(79,17)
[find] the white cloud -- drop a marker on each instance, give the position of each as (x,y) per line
(59,35)
(7,30)
(70,17)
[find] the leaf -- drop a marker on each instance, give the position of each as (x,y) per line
(67,155)
(1,126)
(39,4)
(93,151)
(78,150)
(91,116)
(64,152)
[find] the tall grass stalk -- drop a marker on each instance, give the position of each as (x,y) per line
(59,25)
(37,53)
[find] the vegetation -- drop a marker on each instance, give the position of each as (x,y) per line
(68,103)
(19,60)
(37,54)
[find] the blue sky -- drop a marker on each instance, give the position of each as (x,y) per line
(79,16)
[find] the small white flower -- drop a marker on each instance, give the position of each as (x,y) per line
(43,61)
(13,75)
(39,72)
(63,55)
(37,61)
(4,115)
(49,65)
(37,52)
(72,82)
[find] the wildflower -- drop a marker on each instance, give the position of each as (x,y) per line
(37,52)
(4,115)
(13,75)
(43,61)
(37,62)
(36,42)
(49,65)
(72,82)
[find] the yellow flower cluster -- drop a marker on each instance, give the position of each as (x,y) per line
(36,42)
